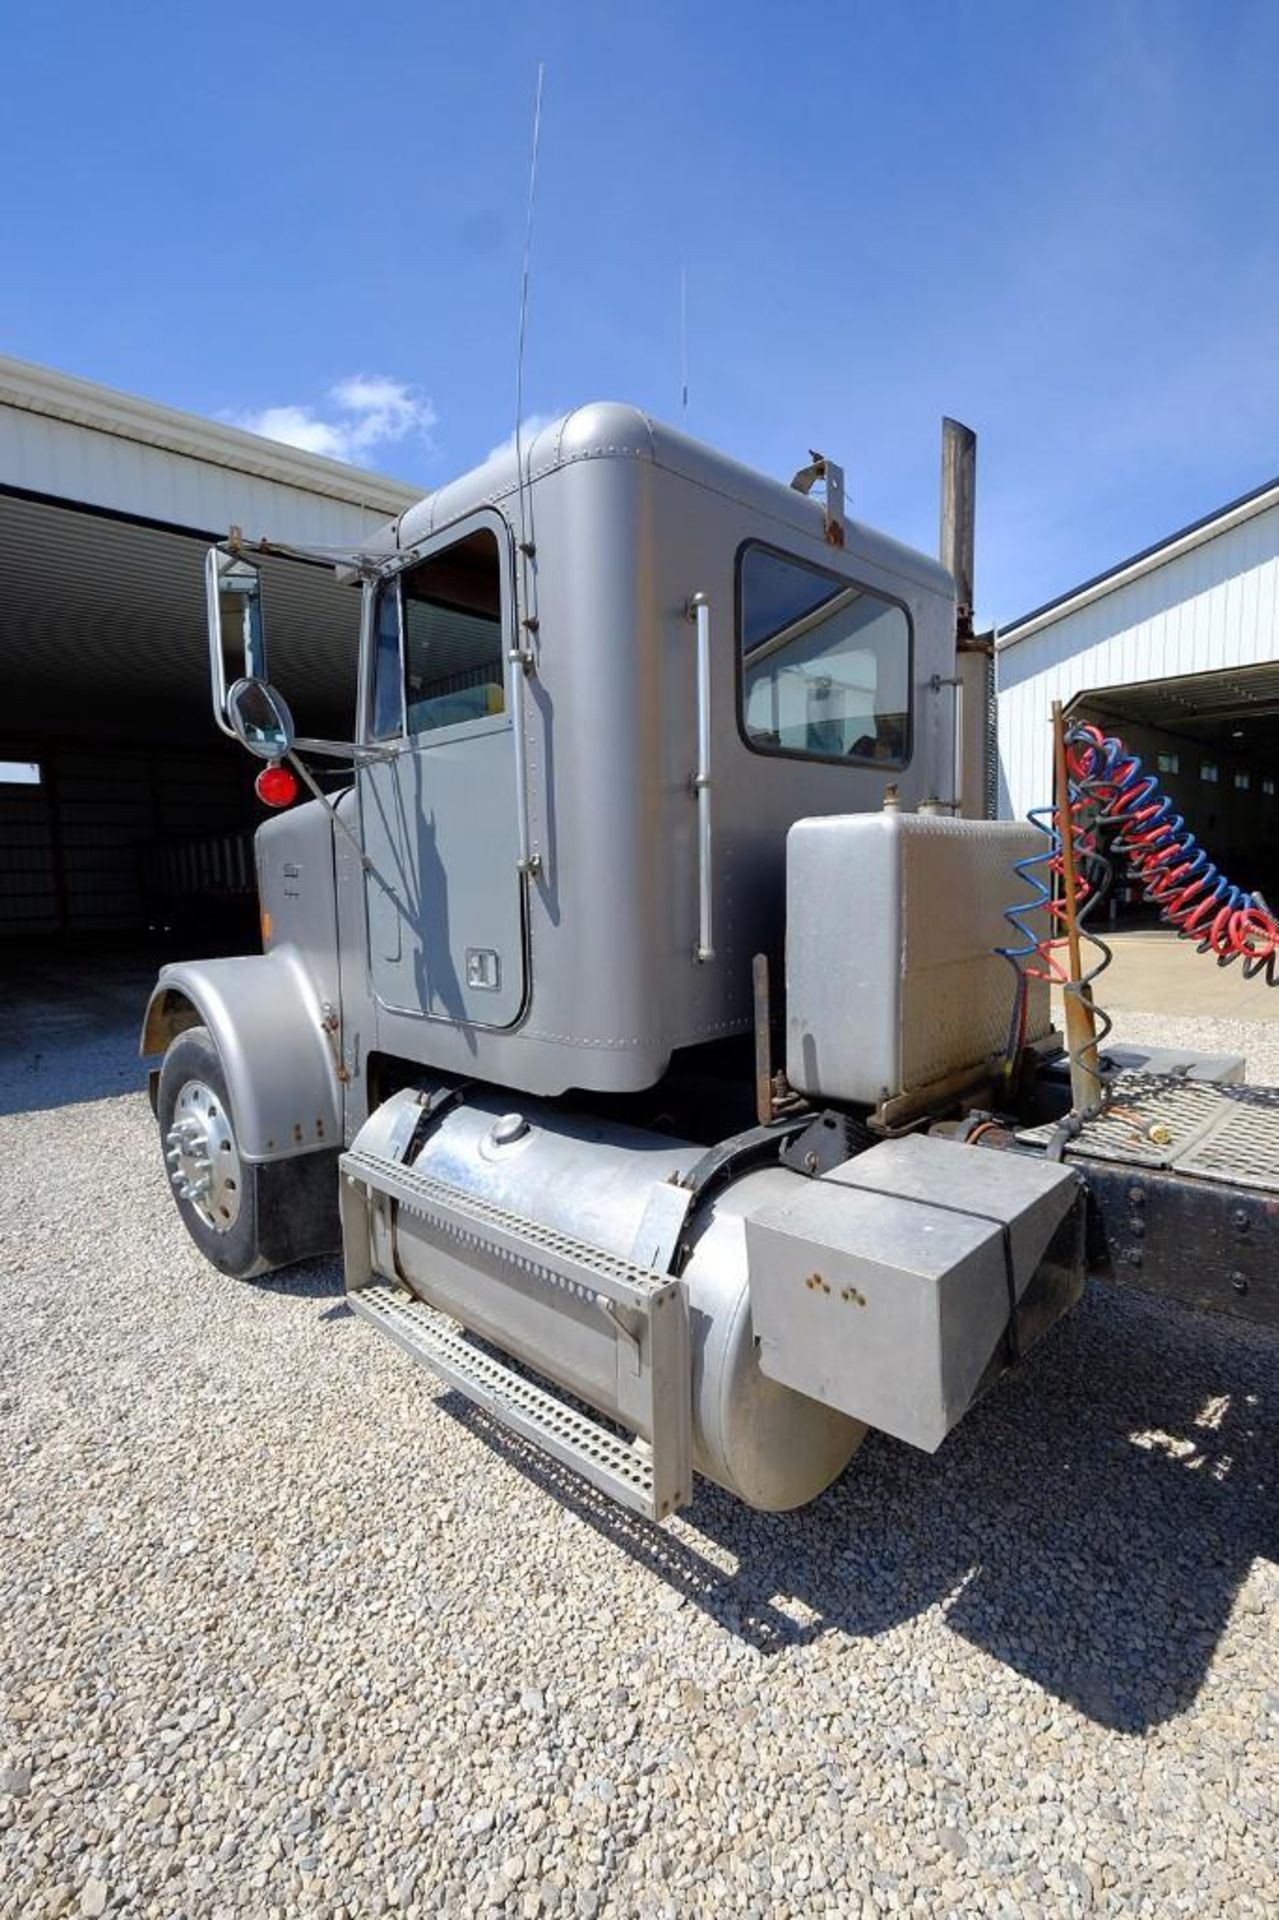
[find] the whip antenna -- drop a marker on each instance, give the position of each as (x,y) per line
(524,280)
(683,340)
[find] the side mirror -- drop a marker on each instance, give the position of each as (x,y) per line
(259,718)
(237,637)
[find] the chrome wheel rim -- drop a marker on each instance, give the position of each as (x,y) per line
(204,1165)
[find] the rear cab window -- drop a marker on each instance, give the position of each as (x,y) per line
(823,663)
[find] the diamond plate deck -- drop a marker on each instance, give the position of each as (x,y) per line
(1243,1146)
(1227,1134)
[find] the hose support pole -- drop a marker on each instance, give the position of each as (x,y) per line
(1081,1033)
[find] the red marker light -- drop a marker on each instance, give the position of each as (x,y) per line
(276,786)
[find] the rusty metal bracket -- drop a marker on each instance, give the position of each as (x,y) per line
(829,471)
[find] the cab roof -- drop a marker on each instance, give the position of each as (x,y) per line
(611,430)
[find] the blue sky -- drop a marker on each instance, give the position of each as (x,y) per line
(1057,222)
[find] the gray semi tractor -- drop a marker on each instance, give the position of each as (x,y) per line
(631,1006)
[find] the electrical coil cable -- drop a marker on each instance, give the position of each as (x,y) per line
(1036,955)
(1173,870)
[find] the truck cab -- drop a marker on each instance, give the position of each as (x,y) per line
(548,898)
(510,1033)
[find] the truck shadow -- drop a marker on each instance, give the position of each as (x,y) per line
(318,1279)
(1089,1524)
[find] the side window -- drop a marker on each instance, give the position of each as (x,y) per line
(450,607)
(453,653)
(825,663)
(388,694)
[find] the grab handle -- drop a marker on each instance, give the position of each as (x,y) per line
(699,609)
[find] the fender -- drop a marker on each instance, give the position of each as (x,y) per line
(265,1018)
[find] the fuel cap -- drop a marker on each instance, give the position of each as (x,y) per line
(510,1128)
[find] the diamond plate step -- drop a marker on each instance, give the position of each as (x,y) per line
(614,1465)
(471,1223)
(1208,1130)
(599,1326)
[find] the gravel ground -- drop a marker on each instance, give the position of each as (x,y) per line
(286,1630)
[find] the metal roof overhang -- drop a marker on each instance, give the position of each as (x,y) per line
(107,505)
(1234,710)
(72,438)
(103,630)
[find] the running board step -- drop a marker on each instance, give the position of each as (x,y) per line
(619,1468)
(423,1255)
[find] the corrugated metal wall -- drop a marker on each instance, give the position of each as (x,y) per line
(77,852)
(28,890)
(1214,606)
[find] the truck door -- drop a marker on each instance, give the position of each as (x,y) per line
(437,794)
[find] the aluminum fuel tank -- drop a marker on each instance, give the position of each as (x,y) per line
(772,1447)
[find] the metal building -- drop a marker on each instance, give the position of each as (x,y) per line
(120,805)
(1177,651)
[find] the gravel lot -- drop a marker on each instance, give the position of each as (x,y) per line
(284,1629)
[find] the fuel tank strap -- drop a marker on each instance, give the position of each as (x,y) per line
(435,1104)
(756,1146)
(729,1161)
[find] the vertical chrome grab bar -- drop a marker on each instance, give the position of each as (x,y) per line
(957,747)
(517,662)
(955,682)
(699,608)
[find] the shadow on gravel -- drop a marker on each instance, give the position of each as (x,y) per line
(63,1058)
(318,1279)
(1088,1525)
(71,1012)
(69,1025)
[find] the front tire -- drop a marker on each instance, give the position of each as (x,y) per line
(245,1216)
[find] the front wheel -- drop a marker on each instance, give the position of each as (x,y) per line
(245,1216)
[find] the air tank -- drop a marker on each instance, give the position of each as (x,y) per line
(772,1447)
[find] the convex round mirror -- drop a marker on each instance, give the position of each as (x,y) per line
(260,718)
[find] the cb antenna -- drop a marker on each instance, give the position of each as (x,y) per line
(683,340)
(524,280)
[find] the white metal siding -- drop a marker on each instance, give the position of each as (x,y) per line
(77,441)
(1213,606)
(78,464)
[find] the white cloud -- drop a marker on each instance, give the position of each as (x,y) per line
(363,412)
(531,424)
